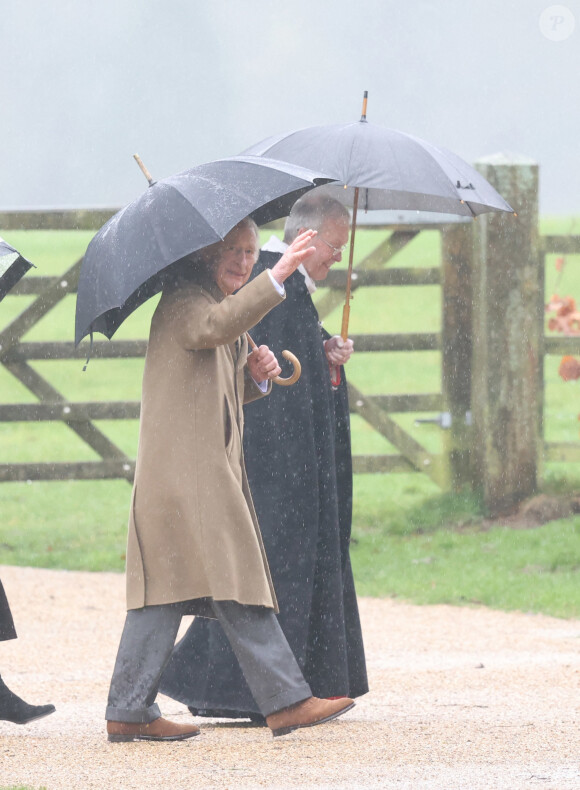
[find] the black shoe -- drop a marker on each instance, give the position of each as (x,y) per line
(14,709)
(221,713)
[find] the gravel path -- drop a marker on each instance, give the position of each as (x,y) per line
(466,699)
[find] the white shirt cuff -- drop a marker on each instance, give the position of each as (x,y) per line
(278,286)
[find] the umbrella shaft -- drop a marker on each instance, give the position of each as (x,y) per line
(364,106)
(346,308)
(345,317)
(144,170)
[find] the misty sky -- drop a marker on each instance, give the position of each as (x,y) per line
(84,85)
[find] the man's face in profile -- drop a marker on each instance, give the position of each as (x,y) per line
(328,243)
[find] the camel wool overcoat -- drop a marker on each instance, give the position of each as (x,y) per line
(193,532)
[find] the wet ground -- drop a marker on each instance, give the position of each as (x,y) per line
(461,699)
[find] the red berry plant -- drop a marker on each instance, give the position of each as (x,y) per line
(565,318)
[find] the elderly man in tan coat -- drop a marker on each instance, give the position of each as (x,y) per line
(194,543)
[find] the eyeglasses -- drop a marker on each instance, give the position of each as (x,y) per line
(335,250)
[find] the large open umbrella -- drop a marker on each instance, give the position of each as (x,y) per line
(175,217)
(379,168)
(12,267)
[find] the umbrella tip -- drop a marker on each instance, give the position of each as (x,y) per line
(144,170)
(364,106)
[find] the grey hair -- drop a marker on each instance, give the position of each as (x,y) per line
(248,224)
(312,211)
(210,254)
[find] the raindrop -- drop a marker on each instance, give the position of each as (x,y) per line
(63,284)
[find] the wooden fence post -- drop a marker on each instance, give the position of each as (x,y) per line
(507,290)
(456,349)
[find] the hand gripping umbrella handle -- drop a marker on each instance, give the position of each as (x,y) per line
(295,362)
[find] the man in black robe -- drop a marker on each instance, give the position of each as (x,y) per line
(298,460)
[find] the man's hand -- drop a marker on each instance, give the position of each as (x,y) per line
(297,252)
(263,365)
(338,351)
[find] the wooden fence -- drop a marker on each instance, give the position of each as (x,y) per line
(16,354)
(491,342)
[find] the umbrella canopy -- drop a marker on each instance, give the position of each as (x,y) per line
(379,168)
(391,169)
(12,267)
(175,217)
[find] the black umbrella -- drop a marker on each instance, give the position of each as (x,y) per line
(12,267)
(175,217)
(380,168)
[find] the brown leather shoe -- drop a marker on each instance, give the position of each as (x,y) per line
(309,713)
(157,730)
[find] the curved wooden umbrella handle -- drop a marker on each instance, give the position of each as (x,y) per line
(295,362)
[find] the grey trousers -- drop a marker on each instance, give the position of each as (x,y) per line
(264,655)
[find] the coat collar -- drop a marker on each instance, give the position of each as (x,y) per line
(274,244)
(204,277)
(199,273)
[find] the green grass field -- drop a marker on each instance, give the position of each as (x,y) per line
(20,787)
(406,540)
